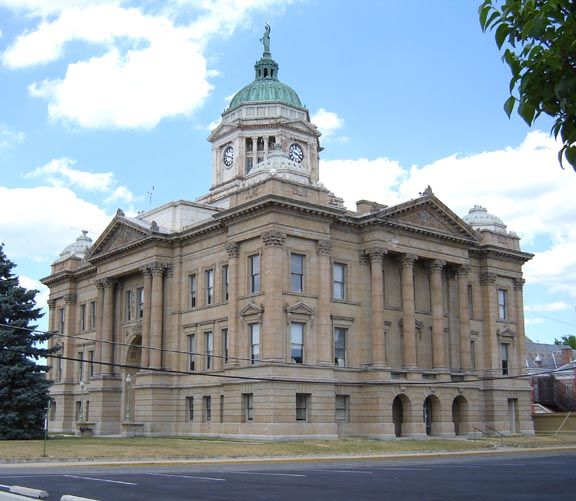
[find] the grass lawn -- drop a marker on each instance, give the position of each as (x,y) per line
(72,448)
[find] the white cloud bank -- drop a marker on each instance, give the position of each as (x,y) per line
(522,185)
(327,121)
(9,138)
(143,68)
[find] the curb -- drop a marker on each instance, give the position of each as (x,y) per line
(288,459)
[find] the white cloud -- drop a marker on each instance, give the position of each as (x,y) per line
(9,137)
(59,172)
(47,218)
(33,284)
(45,7)
(522,185)
(534,321)
(327,121)
(122,194)
(143,66)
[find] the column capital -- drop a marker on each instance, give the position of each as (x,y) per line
(70,297)
(375,254)
(145,270)
(519,284)
(105,283)
(233,250)
(408,260)
(462,270)
(158,269)
(273,238)
(51,303)
(436,265)
(324,247)
(487,278)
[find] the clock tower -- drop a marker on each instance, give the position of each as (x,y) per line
(265,130)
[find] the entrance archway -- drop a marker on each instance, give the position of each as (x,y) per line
(400,409)
(460,415)
(431,412)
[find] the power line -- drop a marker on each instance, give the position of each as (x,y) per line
(552,318)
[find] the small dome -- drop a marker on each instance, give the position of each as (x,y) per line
(77,248)
(266,90)
(480,219)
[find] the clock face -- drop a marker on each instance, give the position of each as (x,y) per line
(228,156)
(295,153)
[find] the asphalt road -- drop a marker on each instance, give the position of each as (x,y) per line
(528,476)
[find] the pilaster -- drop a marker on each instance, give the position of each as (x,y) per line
(464,318)
(376,255)
(324,336)
(438,345)
(408,308)
(233,251)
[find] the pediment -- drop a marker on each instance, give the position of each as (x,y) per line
(251,309)
(300,308)
(118,235)
(220,131)
(506,332)
(431,215)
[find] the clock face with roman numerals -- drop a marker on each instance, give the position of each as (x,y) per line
(228,156)
(295,153)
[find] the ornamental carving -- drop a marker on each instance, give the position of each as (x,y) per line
(273,238)
(519,283)
(426,218)
(51,303)
(70,297)
(462,271)
(233,250)
(375,253)
(436,265)
(408,260)
(120,238)
(487,278)
(324,247)
(300,191)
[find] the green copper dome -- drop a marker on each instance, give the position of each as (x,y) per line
(266,86)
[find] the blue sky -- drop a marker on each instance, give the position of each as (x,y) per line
(101,100)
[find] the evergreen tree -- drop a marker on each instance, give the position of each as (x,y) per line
(23,385)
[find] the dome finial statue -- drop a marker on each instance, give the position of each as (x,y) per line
(266,39)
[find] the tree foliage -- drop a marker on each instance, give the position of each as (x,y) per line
(538,39)
(567,341)
(23,385)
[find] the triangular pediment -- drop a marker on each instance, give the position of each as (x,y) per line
(119,234)
(300,308)
(506,332)
(251,309)
(429,214)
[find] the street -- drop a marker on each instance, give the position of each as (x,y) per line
(532,476)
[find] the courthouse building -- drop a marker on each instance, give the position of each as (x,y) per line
(267,309)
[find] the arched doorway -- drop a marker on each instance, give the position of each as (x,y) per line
(460,415)
(431,412)
(400,409)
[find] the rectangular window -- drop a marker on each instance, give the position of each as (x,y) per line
(87,411)
(61,318)
(91,363)
(140,302)
(247,407)
(254,266)
(207,402)
(302,406)
(92,314)
(78,409)
(193,287)
(470,301)
(225,282)
(192,352)
(127,305)
(296,272)
(209,286)
(190,408)
(342,409)
(225,345)
(502,304)
(221,408)
(340,346)
(249,164)
(504,357)
(297,342)
(81,366)
(209,343)
(339,281)
(60,369)
(82,317)
(254,343)
(473,353)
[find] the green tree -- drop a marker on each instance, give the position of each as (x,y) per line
(567,340)
(538,39)
(23,385)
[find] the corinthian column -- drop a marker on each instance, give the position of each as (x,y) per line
(464,318)
(377,279)
(324,337)
(69,331)
(273,328)
(521,343)
(233,251)
(108,326)
(156,309)
(489,314)
(409,318)
(438,345)
(145,359)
